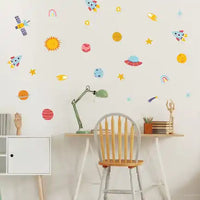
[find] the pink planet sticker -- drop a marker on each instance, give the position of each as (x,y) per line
(86,47)
(47,114)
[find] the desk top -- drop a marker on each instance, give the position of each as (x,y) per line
(143,135)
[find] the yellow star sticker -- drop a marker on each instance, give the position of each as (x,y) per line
(121,76)
(87,22)
(149,41)
(32,72)
(118,9)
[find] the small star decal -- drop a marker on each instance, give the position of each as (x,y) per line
(121,76)
(32,72)
(149,41)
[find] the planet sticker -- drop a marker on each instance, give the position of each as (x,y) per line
(47,114)
(117,36)
(98,73)
(181,58)
(23,95)
(86,47)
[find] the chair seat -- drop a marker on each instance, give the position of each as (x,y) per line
(123,163)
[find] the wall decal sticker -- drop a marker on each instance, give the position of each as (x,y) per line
(52,13)
(133,61)
(121,76)
(164,78)
(118,9)
(87,22)
(188,94)
(180,13)
(129,99)
(52,43)
(61,77)
(98,73)
(117,36)
(153,98)
(179,35)
(92,5)
(152,16)
(23,95)
(181,58)
(21,25)
(149,41)
(14,61)
(86,47)
(47,114)
(32,72)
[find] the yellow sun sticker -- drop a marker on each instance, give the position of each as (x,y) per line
(52,43)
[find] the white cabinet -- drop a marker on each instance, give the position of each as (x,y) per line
(25,155)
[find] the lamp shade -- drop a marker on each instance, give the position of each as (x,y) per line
(101,93)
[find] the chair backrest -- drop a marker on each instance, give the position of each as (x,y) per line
(117,138)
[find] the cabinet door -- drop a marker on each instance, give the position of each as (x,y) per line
(28,155)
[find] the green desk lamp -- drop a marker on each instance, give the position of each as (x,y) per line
(99,93)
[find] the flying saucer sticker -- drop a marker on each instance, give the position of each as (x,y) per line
(98,73)
(47,114)
(164,79)
(23,95)
(133,61)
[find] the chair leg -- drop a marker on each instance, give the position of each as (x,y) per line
(132,187)
(101,185)
(140,183)
(107,182)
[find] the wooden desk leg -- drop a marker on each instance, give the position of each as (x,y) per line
(164,179)
(82,168)
(40,187)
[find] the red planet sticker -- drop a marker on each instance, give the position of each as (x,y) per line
(86,47)
(47,114)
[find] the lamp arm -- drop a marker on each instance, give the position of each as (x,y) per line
(75,101)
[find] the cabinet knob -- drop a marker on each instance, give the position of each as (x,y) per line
(11,155)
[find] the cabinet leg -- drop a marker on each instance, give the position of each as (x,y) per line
(40,188)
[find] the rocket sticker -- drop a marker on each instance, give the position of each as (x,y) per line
(92,5)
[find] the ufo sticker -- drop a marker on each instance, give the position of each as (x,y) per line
(133,61)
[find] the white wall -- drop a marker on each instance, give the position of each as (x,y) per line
(181,155)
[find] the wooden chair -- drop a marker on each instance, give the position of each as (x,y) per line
(118,148)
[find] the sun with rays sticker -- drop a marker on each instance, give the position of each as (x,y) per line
(52,43)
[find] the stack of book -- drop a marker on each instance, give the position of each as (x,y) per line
(162,127)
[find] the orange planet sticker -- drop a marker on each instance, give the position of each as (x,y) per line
(181,58)
(117,36)
(23,95)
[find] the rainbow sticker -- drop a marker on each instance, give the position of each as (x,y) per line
(52,13)
(164,79)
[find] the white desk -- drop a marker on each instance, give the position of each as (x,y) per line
(156,137)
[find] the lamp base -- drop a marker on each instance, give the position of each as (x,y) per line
(82,131)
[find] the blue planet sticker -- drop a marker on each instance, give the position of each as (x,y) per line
(98,73)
